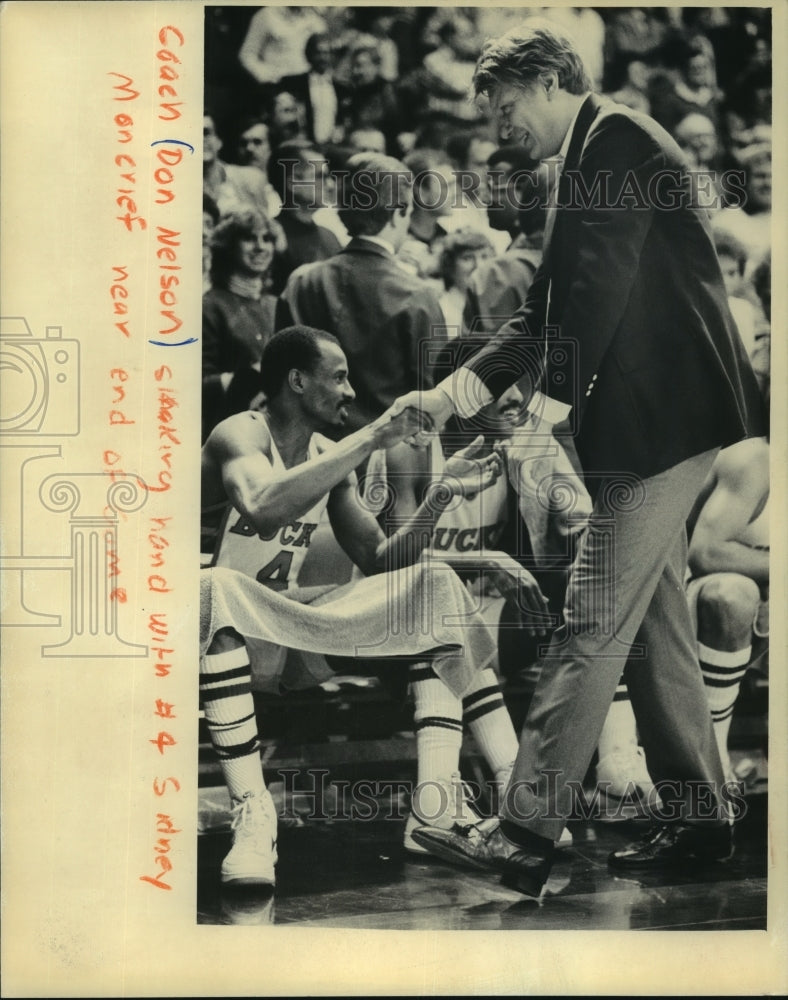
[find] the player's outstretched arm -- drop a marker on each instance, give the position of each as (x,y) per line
(269,498)
(360,535)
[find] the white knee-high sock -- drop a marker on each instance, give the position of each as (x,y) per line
(722,675)
(486,715)
(438,725)
(228,706)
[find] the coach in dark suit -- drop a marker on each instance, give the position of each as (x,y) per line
(379,312)
(626,323)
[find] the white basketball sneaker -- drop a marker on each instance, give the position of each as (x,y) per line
(454,806)
(253,855)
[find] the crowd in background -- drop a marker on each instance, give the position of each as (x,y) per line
(298,98)
(291,93)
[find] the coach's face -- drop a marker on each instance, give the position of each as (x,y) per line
(527,115)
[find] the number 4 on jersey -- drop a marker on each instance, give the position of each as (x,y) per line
(275,573)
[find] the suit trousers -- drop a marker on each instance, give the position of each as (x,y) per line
(625,605)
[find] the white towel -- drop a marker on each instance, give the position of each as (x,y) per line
(421,609)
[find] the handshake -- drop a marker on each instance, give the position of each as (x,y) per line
(415,417)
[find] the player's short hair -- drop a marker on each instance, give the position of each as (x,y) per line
(289,348)
(521,55)
(372,187)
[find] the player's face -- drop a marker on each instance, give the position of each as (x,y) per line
(506,413)
(254,148)
(525,115)
(327,391)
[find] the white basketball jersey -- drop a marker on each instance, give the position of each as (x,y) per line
(274,559)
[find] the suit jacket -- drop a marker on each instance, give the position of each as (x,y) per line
(639,337)
(298,86)
(382,315)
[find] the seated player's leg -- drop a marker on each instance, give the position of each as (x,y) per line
(228,706)
(727,605)
(438,798)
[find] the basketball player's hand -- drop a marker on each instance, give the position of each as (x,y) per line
(396,425)
(519,585)
(466,475)
(436,407)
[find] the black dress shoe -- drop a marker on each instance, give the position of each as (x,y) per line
(673,844)
(482,846)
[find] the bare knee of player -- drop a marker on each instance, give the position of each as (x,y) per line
(225,641)
(727,606)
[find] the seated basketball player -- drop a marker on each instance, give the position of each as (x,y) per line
(280,475)
(728,590)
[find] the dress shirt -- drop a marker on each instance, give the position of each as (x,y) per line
(323,96)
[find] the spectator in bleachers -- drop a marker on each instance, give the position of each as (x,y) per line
(751,221)
(381,23)
(697,136)
(468,153)
(298,173)
(631,33)
(210,219)
(371,101)
(379,312)
(317,91)
(694,87)
(449,72)
(231,186)
(275,42)
(286,118)
(634,89)
(237,315)
(518,196)
(367,140)
(253,149)
(433,197)
(462,252)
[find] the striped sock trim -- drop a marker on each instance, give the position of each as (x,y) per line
(716,682)
(222,692)
(485,692)
(437,722)
(236,750)
(481,710)
(721,714)
(723,658)
(220,727)
(731,673)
